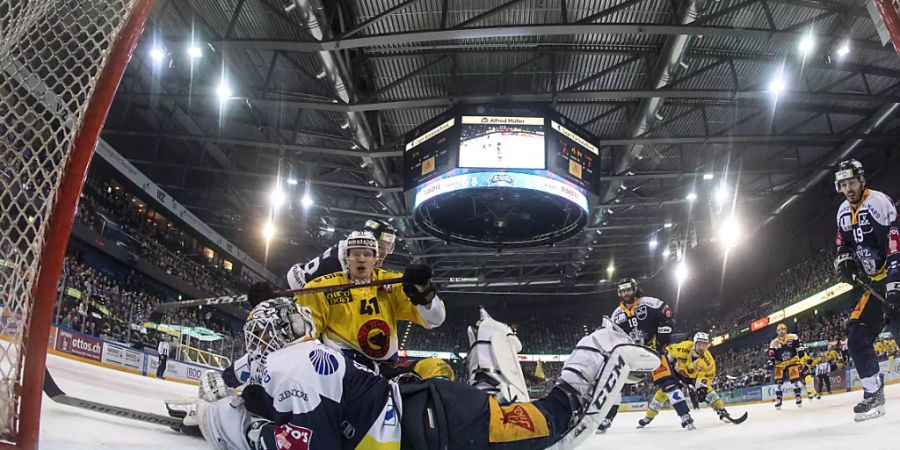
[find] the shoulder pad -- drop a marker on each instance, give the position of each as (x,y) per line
(881,207)
(652,302)
(773,342)
(792,337)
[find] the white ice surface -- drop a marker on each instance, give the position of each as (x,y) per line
(820,424)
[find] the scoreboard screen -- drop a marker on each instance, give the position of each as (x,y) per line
(572,156)
(521,137)
(429,154)
(493,142)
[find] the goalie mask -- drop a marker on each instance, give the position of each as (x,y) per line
(275,323)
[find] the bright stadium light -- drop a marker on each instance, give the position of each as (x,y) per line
(277,198)
(157,54)
(843,50)
(777,85)
(666,253)
(723,193)
(807,44)
(269,231)
(653,243)
(681,272)
(610,269)
(307,201)
(224,90)
(195,51)
(731,232)
(292,181)
(691,196)
(708,176)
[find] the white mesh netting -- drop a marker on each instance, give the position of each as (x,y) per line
(52,53)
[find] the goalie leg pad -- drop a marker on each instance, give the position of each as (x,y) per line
(493,362)
(224,423)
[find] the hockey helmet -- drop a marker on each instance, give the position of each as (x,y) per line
(701,337)
(847,170)
(627,283)
(364,240)
(384,232)
(433,368)
(274,323)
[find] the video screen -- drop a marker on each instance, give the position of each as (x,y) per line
(493,142)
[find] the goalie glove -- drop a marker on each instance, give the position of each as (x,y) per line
(213,387)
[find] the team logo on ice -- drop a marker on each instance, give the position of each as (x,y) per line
(292,437)
(325,363)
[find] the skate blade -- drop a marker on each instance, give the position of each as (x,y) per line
(862,417)
(690,427)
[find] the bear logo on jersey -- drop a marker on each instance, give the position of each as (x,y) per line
(641,312)
(325,363)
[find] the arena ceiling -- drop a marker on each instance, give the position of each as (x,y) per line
(681,100)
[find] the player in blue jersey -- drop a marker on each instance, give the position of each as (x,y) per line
(868,251)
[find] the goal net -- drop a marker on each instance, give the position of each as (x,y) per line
(60,63)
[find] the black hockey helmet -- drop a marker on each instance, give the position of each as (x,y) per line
(846,170)
(383,231)
(628,283)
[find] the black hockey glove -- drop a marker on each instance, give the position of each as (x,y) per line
(419,274)
(892,306)
(846,267)
(259,292)
(702,391)
(416,296)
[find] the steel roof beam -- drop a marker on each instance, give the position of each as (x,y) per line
(531,31)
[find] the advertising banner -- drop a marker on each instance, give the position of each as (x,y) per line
(79,345)
(176,369)
(122,356)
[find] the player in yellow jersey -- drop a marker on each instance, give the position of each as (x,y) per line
(693,366)
(362,322)
(806,373)
(785,353)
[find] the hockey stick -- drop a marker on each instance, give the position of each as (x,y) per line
(227,299)
(871,290)
(735,420)
(57,395)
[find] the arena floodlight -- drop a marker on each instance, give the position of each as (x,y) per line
(731,232)
(224,91)
(653,243)
(777,85)
(807,44)
(708,176)
(292,181)
(723,193)
(843,49)
(610,269)
(269,231)
(691,196)
(306,201)
(277,198)
(681,272)
(195,51)
(157,54)
(666,253)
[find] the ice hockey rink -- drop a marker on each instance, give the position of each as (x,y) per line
(819,424)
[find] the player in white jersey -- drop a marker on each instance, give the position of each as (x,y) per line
(311,397)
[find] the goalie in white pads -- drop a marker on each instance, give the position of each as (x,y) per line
(312,397)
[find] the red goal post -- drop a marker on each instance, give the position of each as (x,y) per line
(60,65)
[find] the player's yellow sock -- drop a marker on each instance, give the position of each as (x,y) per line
(659,399)
(810,385)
